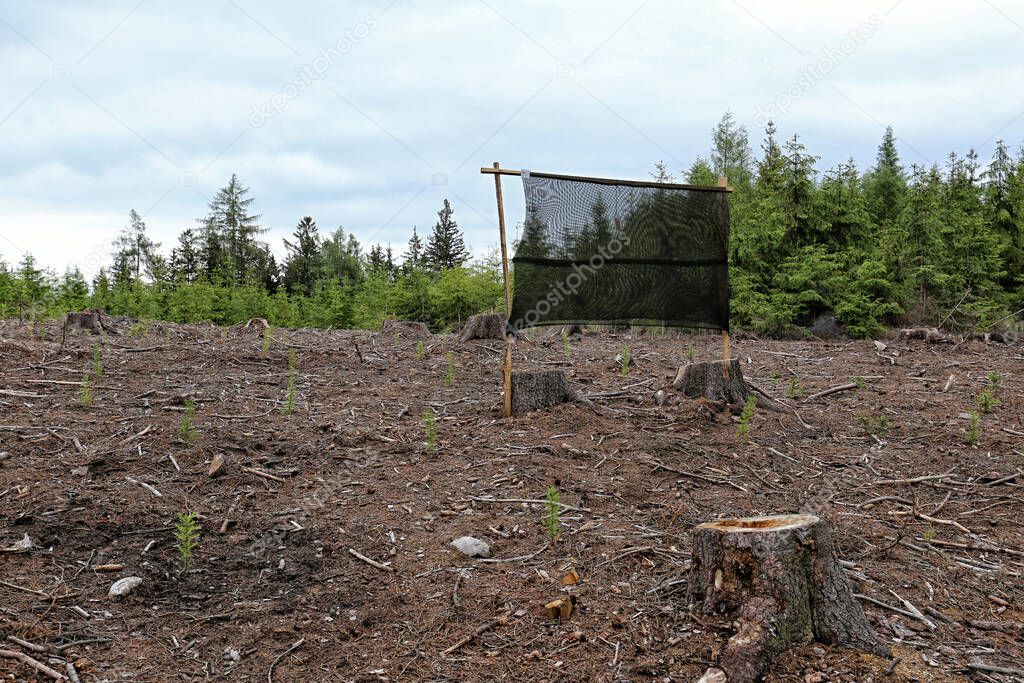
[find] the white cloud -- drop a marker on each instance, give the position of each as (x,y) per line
(444,88)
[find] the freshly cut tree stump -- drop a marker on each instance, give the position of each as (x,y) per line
(779,580)
(536,390)
(483,326)
(707,379)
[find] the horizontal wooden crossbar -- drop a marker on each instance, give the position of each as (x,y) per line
(608,181)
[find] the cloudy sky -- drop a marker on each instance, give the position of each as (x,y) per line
(366,114)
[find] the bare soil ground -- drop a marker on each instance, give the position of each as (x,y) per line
(924,521)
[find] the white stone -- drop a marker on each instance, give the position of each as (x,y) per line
(473,547)
(713,676)
(125,586)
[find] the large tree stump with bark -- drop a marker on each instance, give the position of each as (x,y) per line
(536,390)
(778,579)
(483,326)
(695,380)
(405,328)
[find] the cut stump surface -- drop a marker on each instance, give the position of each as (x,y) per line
(777,578)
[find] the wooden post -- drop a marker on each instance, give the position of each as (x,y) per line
(723,181)
(725,354)
(508,292)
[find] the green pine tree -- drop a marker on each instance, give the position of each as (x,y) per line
(445,247)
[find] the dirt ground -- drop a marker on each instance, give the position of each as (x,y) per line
(275,592)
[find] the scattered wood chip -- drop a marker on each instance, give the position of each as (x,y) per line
(217,464)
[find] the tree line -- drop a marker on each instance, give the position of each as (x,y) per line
(221,272)
(924,244)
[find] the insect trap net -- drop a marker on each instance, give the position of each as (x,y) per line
(621,252)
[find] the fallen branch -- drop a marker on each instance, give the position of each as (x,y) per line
(1009,477)
(722,482)
(136,436)
(19,394)
(833,390)
(26,644)
(373,563)
(891,608)
(521,558)
(480,630)
(991,668)
(148,487)
(270,671)
(38,666)
(564,506)
(913,610)
(261,473)
(915,480)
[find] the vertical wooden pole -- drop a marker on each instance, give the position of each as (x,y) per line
(508,293)
(723,181)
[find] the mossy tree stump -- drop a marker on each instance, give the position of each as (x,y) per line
(778,579)
(536,390)
(711,381)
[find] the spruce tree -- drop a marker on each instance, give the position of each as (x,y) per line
(389,262)
(843,221)
(772,164)
(32,288)
(376,261)
(302,264)
(799,189)
(186,263)
(730,152)
(701,173)
(231,232)
(534,241)
(661,173)
(413,257)
(1003,211)
(885,185)
(341,257)
(445,247)
(73,290)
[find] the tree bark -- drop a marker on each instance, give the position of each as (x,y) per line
(708,380)
(483,326)
(536,390)
(778,579)
(407,328)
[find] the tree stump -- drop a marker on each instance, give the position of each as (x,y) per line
(536,390)
(779,580)
(405,328)
(707,379)
(483,326)
(573,331)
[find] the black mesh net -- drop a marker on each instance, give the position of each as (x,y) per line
(621,252)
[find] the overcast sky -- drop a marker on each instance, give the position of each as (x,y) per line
(367,114)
